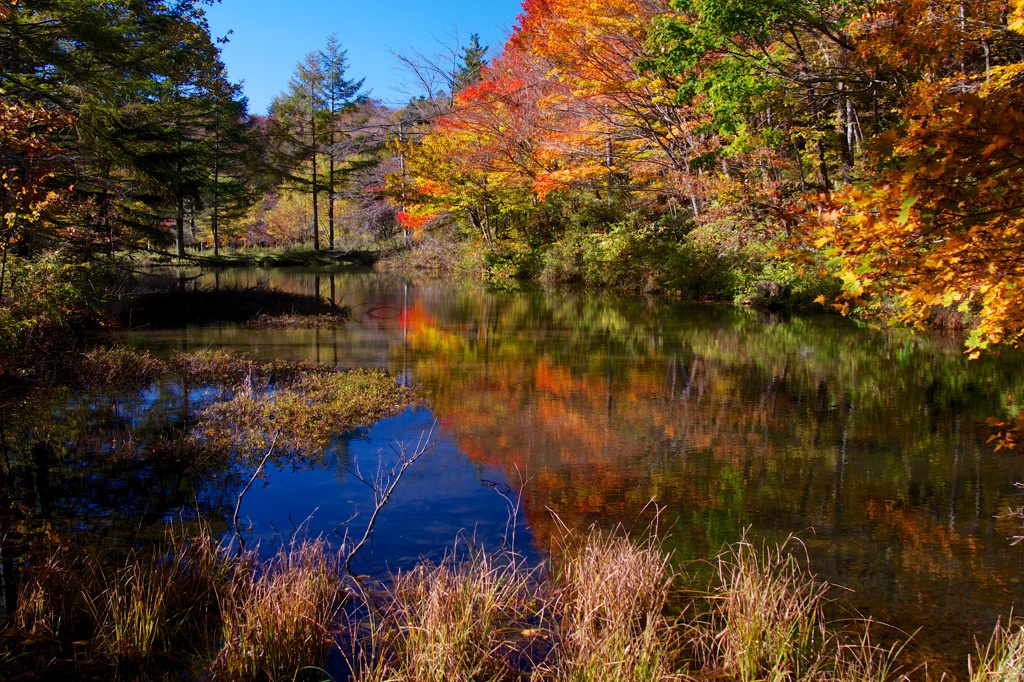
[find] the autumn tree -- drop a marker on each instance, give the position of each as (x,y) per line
(131,76)
(341,97)
(301,111)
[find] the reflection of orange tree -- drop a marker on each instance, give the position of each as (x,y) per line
(725,440)
(725,420)
(584,437)
(944,566)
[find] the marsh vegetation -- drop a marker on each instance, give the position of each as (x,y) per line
(604,608)
(168,464)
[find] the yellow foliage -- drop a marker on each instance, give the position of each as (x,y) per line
(1016,19)
(945,226)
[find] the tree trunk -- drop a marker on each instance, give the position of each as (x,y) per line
(824,167)
(180,227)
(316,212)
(216,197)
(330,184)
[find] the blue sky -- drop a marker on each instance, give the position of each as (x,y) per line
(271,36)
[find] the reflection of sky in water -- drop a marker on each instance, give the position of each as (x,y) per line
(437,497)
(442,498)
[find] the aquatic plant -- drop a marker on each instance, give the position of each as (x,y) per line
(606,607)
(301,413)
(1002,658)
(611,597)
(53,599)
(766,619)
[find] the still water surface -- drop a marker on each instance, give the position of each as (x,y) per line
(870,445)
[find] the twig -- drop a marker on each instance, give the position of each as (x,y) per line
(255,475)
(383,487)
(504,491)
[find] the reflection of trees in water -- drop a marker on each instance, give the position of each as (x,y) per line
(874,440)
(102,471)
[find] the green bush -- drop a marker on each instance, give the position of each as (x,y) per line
(765,280)
(45,305)
(645,260)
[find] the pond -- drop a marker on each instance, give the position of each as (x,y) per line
(579,408)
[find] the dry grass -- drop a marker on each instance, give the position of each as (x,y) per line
(610,605)
(598,616)
(1002,659)
(118,367)
(278,618)
(302,413)
(299,321)
(148,603)
(456,620)
(766,621)
(213,367)
(602,612)
(121,368)
(158,601)
(53,604)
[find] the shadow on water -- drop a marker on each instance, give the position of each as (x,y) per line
(168,302)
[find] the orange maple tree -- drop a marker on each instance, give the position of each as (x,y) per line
(941,223)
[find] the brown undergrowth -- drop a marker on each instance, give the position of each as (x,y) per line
(605,607)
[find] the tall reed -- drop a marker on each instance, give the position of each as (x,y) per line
(278,617)
(611,595)
(455,620)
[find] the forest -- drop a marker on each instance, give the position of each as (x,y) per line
(547,221)
(862,154)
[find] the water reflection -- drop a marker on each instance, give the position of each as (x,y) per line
(871,445)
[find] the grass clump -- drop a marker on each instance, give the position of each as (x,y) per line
(264,321)
(611,603)
(598,615)
(301,413)
(278,618)
(1002,658)
(456,620)
(53,604)
(128,611)
(119,367)
(766,620)
(189,602)
(607,608)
